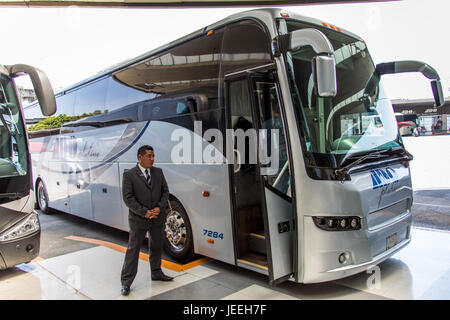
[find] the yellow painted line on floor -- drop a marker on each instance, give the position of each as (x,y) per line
(143,256)
(37,259)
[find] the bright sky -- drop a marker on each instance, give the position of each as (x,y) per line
(71,44)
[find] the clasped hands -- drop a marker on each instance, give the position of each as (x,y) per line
(153,213)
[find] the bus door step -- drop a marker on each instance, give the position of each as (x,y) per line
(255,262)
(257,242)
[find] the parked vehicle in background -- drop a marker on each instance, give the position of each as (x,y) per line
(19,223)
(406,123)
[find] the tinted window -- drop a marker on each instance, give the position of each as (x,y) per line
(358,119)
(169,107)
(90,97)
(267,102)
(120,95)
(99,120)
(33,114)
(245,45)
(13,148)
(190,68)
(65,103)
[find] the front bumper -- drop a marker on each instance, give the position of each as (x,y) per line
(364,249)
(19,251)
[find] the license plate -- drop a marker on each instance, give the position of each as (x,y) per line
(391,241)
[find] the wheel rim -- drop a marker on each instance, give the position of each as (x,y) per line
(42,199)
(176,231)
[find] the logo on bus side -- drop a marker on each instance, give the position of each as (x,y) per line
(383,177)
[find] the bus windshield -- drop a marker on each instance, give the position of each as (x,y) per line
(13,149)
(358,119)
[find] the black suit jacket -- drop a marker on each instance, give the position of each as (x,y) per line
(139,196)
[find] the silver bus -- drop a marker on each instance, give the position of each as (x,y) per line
(339,199)
(19,222)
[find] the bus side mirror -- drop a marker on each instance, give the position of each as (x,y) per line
(41,84)
(324,73)
(323,64)
(437,92)
(415,66)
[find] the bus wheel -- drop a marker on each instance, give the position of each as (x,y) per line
(178,242)
(42,198)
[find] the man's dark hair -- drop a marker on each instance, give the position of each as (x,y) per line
(143,150)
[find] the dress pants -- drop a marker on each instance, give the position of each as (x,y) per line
(136,238)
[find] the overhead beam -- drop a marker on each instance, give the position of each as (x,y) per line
(171,3)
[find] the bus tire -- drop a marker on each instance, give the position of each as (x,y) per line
(178,239)
(42,198)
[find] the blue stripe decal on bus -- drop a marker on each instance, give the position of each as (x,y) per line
(110,159)
(122,152)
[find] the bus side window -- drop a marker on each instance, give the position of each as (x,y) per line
(33,114)
(278,175)
(240,105)
(91,98)
(158,110)
(119,95)
(65,103)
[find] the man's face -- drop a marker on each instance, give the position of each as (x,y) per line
(147,160)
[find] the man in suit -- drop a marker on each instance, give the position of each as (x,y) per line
(145,193)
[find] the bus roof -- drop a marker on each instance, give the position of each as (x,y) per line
(267,14)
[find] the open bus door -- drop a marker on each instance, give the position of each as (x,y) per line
(260,180)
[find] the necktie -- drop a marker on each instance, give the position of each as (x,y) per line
(147,176)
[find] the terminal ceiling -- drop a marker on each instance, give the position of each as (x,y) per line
(173,3)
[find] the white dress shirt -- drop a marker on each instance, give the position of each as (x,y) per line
(143,170)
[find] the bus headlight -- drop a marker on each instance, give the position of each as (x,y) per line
(22,229)
(338,223)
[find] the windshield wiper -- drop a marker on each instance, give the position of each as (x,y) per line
(342,172)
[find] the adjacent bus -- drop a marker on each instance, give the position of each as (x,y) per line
(19,222)
(265,82)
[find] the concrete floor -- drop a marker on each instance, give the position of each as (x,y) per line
(420,271)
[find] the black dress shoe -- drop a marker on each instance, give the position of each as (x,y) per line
(160,276)
(125,290)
